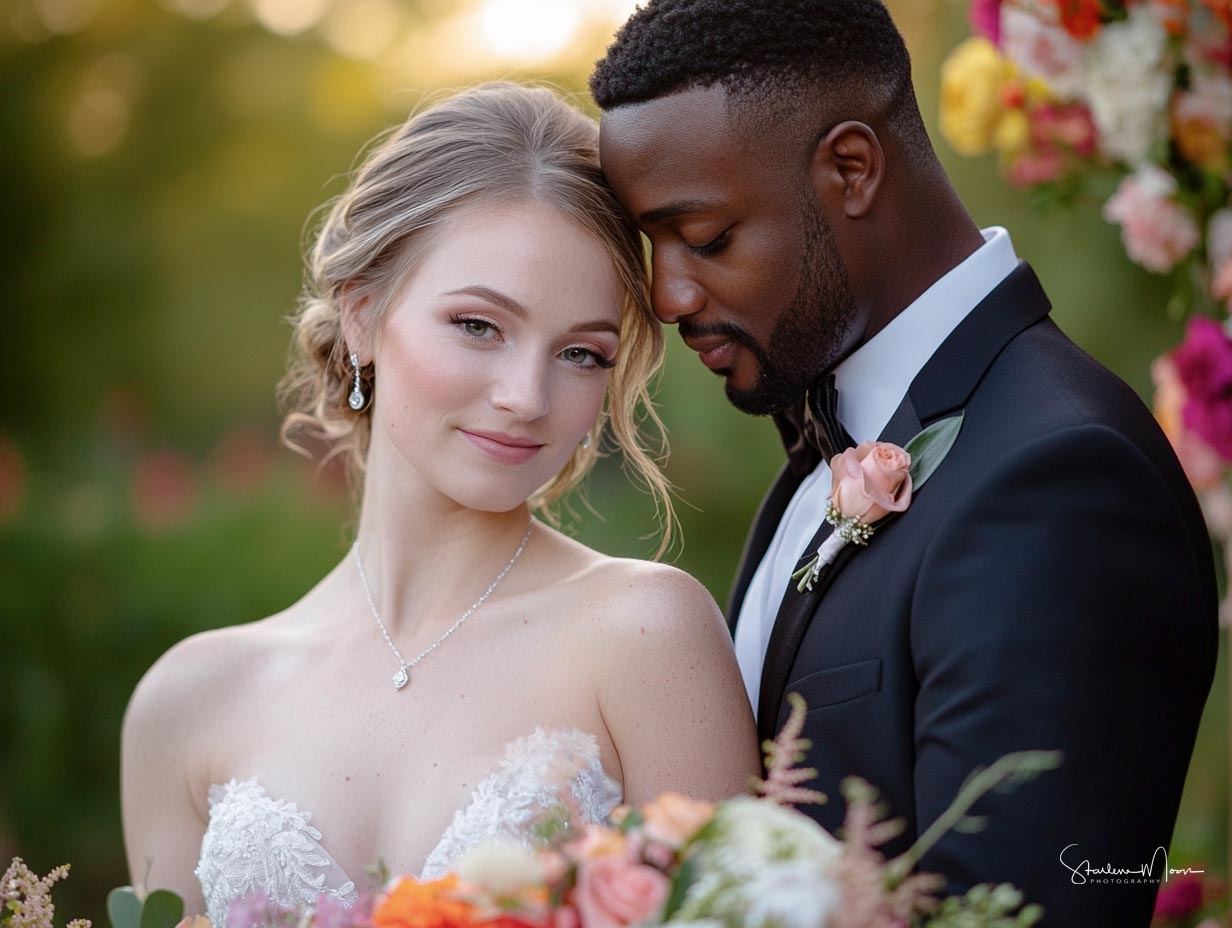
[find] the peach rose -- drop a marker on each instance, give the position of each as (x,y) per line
(673,819)
(194,921)
(599,841)
(871,480)
(613,892)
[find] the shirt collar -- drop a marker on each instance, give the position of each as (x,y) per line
(874,378)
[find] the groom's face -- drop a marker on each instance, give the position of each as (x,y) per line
(743,259)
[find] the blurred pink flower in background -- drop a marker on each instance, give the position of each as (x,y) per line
(1202,465)
(1044,50)
(1037,166)
(163,489)
(1219,251)
(12,481)
(985,19)
(1157,231)
(242,458)
(1070,125)
(1204,366)
(1179,897)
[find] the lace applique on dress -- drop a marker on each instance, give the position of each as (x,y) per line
(543,774)
(255,842)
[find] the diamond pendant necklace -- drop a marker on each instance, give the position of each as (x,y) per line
(403,676)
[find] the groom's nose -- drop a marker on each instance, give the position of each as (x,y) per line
(674,296)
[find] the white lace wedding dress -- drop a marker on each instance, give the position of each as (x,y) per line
(256,842)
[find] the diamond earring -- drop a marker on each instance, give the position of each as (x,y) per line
(585,442)
(357,399)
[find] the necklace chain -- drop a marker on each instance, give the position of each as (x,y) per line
(402,677)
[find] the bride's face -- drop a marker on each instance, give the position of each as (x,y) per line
(492,362)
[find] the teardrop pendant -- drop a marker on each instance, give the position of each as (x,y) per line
(401,678)
(356,400)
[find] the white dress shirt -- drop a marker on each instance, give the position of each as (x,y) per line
(871,383)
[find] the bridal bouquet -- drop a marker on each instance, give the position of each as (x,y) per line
(749,862)
(1129,96)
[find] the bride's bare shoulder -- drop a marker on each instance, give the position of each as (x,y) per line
(647,597)
(199,677)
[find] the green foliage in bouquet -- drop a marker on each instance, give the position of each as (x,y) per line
(126,908)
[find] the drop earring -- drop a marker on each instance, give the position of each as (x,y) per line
(357,399)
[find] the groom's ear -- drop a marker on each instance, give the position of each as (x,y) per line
(847,167)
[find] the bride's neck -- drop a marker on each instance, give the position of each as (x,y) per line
(427,558)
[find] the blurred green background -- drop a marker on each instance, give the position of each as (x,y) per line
(158,163)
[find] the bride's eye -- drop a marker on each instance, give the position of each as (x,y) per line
(476,328)
(585,357)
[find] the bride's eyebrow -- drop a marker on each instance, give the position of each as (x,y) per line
(507,302)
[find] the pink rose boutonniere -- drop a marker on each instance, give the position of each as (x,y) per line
(870,482)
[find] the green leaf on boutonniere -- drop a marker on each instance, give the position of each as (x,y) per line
(929,448)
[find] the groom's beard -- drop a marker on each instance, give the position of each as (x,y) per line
(809,334)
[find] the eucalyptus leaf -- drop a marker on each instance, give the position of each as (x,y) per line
(929,448)
(162,909)
(971,824)
(124,908)
(685,877)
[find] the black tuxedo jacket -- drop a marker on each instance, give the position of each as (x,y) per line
(1051,586)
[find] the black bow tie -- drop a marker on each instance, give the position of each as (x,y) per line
(811,430)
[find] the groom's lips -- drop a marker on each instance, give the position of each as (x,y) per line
(715,353)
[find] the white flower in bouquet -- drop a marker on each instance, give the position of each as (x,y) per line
(501,867)
(764,865)
(1129,84)
(1044,50)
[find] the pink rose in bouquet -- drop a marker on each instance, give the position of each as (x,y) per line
(614,891)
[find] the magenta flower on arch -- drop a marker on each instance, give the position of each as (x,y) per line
(985,17)
(1204,363)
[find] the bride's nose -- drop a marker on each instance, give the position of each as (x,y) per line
(520,388)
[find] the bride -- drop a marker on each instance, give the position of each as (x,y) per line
(477,317)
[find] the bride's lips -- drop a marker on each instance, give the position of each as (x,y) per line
(508,449)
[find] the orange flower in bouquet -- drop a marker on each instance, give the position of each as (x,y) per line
(432,904)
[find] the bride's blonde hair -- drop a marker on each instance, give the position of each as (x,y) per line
(497,142)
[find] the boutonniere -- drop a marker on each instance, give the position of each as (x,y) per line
(871,481)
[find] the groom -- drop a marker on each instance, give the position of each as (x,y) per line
(1051,586)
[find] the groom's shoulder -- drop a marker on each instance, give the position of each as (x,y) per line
(1042,384)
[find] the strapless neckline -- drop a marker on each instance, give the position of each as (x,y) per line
(256,842)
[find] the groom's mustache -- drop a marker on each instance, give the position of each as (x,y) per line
(692,330)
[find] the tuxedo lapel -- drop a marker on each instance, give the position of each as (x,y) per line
(944,384)
(765,523)
(797,609)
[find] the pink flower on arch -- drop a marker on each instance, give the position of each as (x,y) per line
(1204,365)
(985,18)
(1157,231)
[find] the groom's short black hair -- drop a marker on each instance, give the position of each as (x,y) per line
(776,54)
